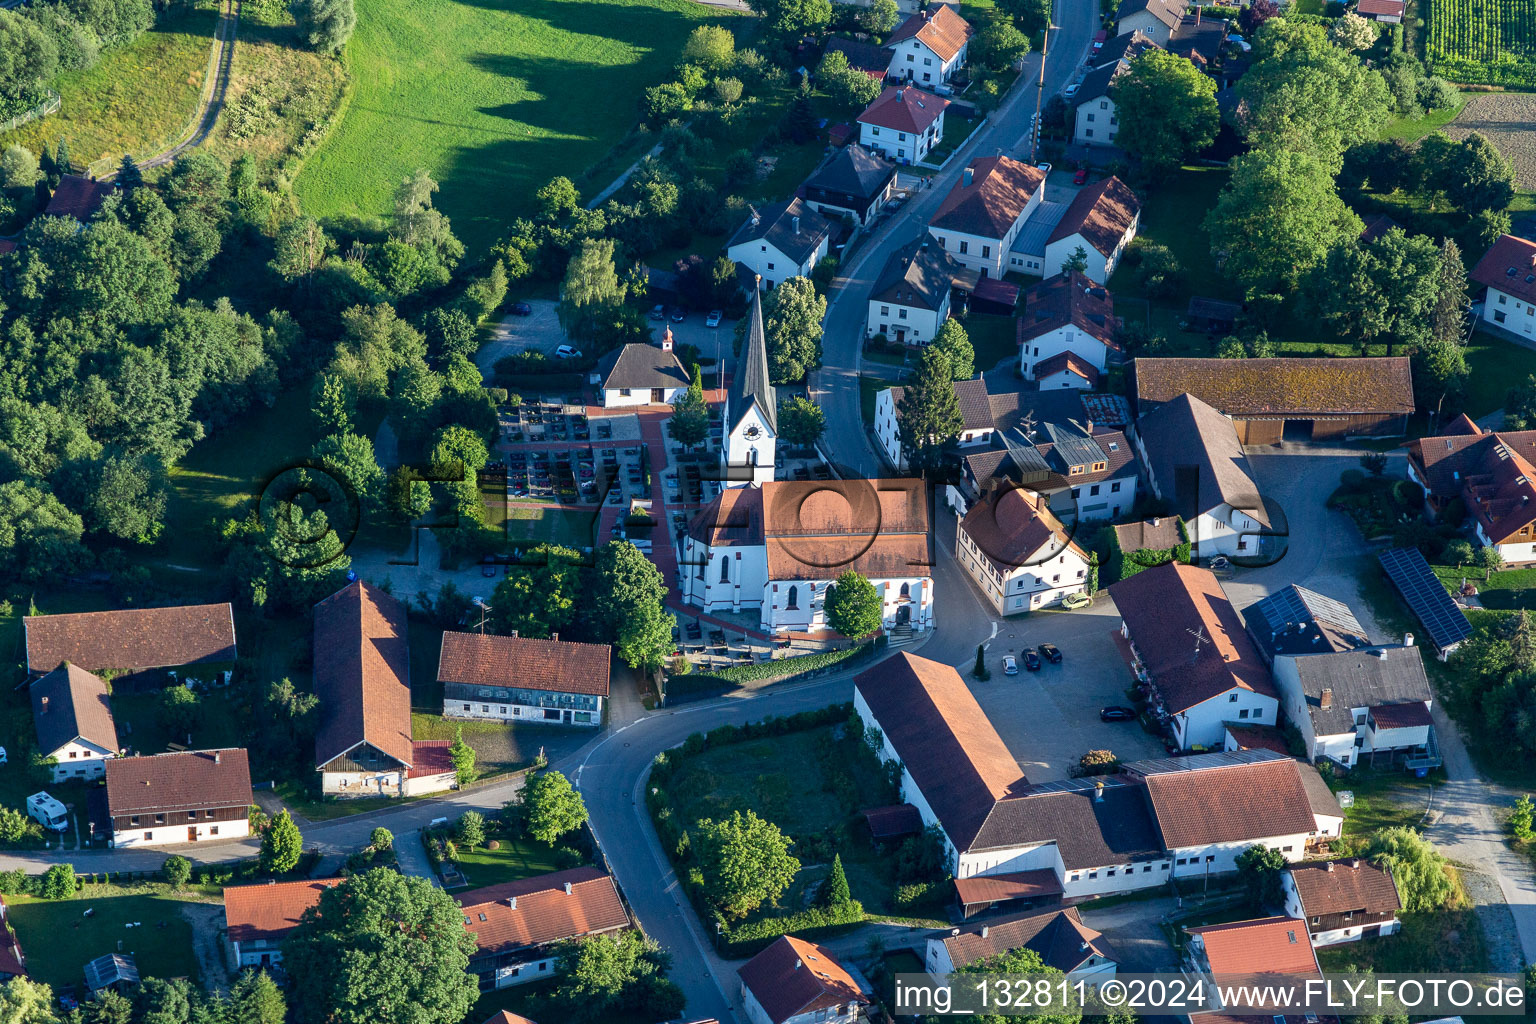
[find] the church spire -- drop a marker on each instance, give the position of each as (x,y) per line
(751,383)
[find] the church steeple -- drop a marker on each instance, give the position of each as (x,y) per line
(751,385)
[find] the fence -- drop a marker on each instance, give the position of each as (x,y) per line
(50,105)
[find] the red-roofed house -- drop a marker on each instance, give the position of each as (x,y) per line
(1101,220)
(1493,473)
(903,123)
(1508,270)
(1018,554)
(1268,945)
(984,212)
(522,679)
(515,924)
(1389,11)
(258,917)
(1342,900)
(1066,315)
(929,47)
(798,982)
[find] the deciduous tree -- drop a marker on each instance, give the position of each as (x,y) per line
(792,315)
(711,47)
(554,808)
(745,862)
(327,24)
(1417,869)
(853,606)
(281,845)
(1258,868)
(1167,110)
(801,421)
(928,420)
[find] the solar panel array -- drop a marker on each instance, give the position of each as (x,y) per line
(1446,624)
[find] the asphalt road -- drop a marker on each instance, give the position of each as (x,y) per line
(1005,131)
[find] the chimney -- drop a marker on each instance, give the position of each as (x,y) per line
(985,931)
(1354,862)
(1090,427)
(1407,639)
(514,634)
(554,636)
(794,223)
(1098,793)
(1197,14)
(966,177)
(666,340)
(1157,520)
(512,902)
(798,964)
(901,95)
(215,757)
(1326,700)
(1378,653)
(567,888)
(1328,866)
(45,705)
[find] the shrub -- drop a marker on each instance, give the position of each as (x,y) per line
(177,871)
(58,882)
(493,845)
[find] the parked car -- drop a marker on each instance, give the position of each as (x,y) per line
(1010,666)
(1050,653)
(1081,177)
(1071,90)
(47,812)
(521,309)
(679,314)
(567,352)
(714,318)
(1116,714)
(1044,166)
(658,312)
(1032,661)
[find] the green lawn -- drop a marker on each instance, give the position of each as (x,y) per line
(1493,367)
(1508,590)
(570,527)
(1444,940)
(517,858)
(493,98)
(139,726)
(1386,800)
(869,387)
(59,939)
(957,128)
(136,98)
(994,338)
(1412,129)
(492,741)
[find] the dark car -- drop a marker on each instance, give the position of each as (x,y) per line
(658,312)
(679,314)
(1050,653)
(1032,661)
(521,309)
(1116,714)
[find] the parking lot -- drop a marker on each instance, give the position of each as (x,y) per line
(540,331)
(1050,718)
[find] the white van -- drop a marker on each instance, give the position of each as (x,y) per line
(47,812)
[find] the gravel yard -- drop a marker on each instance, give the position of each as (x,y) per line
(1508,119)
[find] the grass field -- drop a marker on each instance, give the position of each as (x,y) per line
(1493,367)
(136,98)
(493,98)
(59,939)
(994,339)
(1412,129)
(517,858)
(571,527)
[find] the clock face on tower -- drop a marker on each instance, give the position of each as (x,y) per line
(752,433)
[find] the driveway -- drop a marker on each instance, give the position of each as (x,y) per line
(540,332)
(1134,933)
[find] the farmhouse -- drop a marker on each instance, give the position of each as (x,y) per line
(1154,18)
(1101,220)
(1508,271)
(185,797)
(1388,11)
(1018,553)
(517,925)
(981,216)
(362,673)
(522,679)
(1493,473)
(1342,900)
(1059,937)
(903,123)
(641,374)
(72,713)
(1067,315)
(978,421)
(140,646)
(1269,400)
(1356,704)
(798,982)
(911,297)
(1269,945)
(1094,120)
(1189,647)
(930,46)
(1195,463)
(852,183)
(1295,620)
(258,917)
(780,241)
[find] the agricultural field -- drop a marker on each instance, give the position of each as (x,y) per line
(1487,41)
(1508,119)
(492,98)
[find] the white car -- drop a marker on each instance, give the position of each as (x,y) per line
(1071,90)
(1044,166)
(1010,665)
(567,352)
(714,318)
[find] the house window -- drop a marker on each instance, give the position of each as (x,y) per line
(927,62)
(74,753)
(1114,487)
(1103,104)
(503,711)
(764,248)
(1093,492)
(1146,869)
(1503,300)
(770,266)
(1110,873)
(965,246)
(133,820)
(191,815)
(794,599)
(1090,117)
(1075,490)
(986,252)
(148,836)
(1498,316)
(466,707)
(911,59)
(885,310)
(1286,849)
(159,819)
(901,136)
(1089,132)
(1231,698)
(901,314)
(485,709)
(1243,713)
(1093,874)
(214,830)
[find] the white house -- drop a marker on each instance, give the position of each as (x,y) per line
(1195,463)
(798,982)
(1059,937)
(1190,648)
(1269,946)
(1095,121)
(1101,220)
(978,424)
(1066,370)
(1492,473)
(1351,706)
(930,46)
(777,547)
(189,796)
(1508,271)
(257,918)
(1067,314)
(1342,900)
(911,298)
(853,183)
(1086,471)
(980,218)
(523,680)
(72,712)
(1018,553)
(903,123)
(640,374)
(751,411)
(518,927)
(1156,18)
(781,241)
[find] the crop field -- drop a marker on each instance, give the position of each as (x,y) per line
(1508,119)
(1490,41)
(493,98)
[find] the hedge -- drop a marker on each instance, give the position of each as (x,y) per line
(752,937)
(764,671)
(1124,564)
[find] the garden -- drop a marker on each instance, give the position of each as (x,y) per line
(787,792)
(61,936)
(1379,506)
(543,832)
(1483,41)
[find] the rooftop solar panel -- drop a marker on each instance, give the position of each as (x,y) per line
(1445,623)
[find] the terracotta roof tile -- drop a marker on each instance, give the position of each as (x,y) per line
(1345,886)
(1228,802)
(476,659)
(507,1017)
(181,781)
(69,703)
(1280,386)
(1166,11)
(793,976)
(1269,945)
(1000,188)
(362,674)
(1059,936)
(545,912)
(78,197)
(1014,527)
(1102,213)
(1068,299)
(1071,362)
(1258,737)
(132,639)
(940,29)
(820,529)
(1011,885)
(1391,8)
(1187,434)
(904,108)
(733,518)
(272,910)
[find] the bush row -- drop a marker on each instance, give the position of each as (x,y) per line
(766,671)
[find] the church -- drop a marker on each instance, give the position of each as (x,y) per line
(775,546)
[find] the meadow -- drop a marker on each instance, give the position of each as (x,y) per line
(492,97)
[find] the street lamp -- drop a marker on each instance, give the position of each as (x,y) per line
(1045,49)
